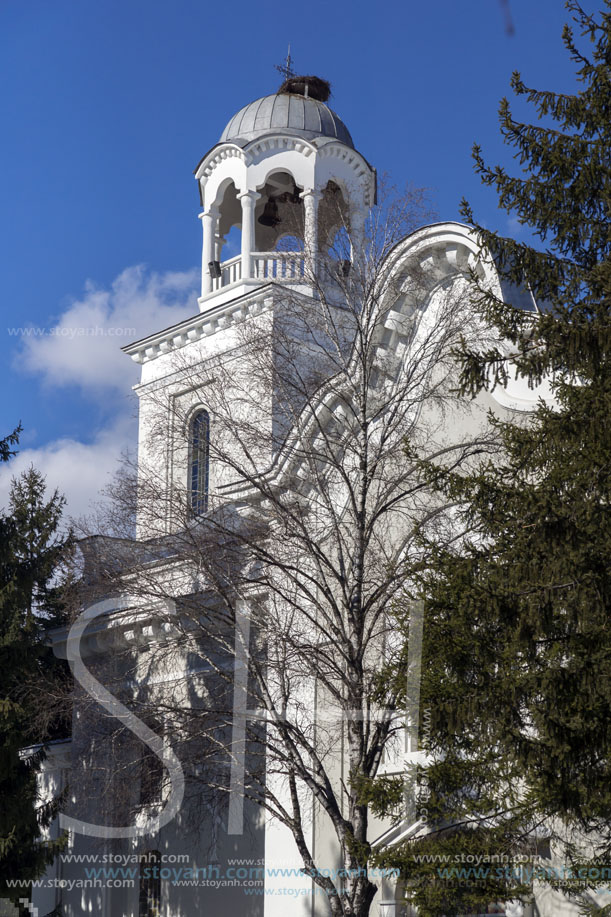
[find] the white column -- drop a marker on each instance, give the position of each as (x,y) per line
(248,199)
(311,198)
(209,225)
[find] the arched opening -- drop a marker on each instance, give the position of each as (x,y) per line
(335,237)
(279,213)
(229,225)
(334,222)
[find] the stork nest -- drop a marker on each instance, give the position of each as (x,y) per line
(317,88)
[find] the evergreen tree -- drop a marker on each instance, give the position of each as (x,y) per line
(38,547)
(30,551)
(517,638)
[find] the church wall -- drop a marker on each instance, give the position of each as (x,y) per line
(228,375)
(238,361)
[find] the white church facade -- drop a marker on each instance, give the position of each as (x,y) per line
(240,407)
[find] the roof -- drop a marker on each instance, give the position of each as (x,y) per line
(286,112)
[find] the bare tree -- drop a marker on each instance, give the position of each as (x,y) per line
(292,554)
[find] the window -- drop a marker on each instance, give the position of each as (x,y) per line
(149,904)
(199,459)
(151,769)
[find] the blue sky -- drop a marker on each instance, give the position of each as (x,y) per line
(107,108)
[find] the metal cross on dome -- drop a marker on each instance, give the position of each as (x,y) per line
(286,69)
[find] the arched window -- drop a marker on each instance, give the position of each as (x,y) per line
(149,899)
(199,461)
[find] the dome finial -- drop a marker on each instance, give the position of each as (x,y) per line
(286,69)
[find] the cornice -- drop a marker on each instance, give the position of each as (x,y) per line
(278,142)
(216,155)
(346,154)
(204,324)
(272,142)
(268,143)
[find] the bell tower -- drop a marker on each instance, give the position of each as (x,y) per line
(286,173)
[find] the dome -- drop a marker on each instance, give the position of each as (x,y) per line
(286,112)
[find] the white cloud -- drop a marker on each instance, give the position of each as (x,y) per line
(83,347)
(77,469)
(82,350)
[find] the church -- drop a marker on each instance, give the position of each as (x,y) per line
(225,655)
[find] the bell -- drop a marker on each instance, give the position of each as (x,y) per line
(270,217)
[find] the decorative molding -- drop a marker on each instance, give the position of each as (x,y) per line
(273,143)
(278,142)
(218,155)
(201,326)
